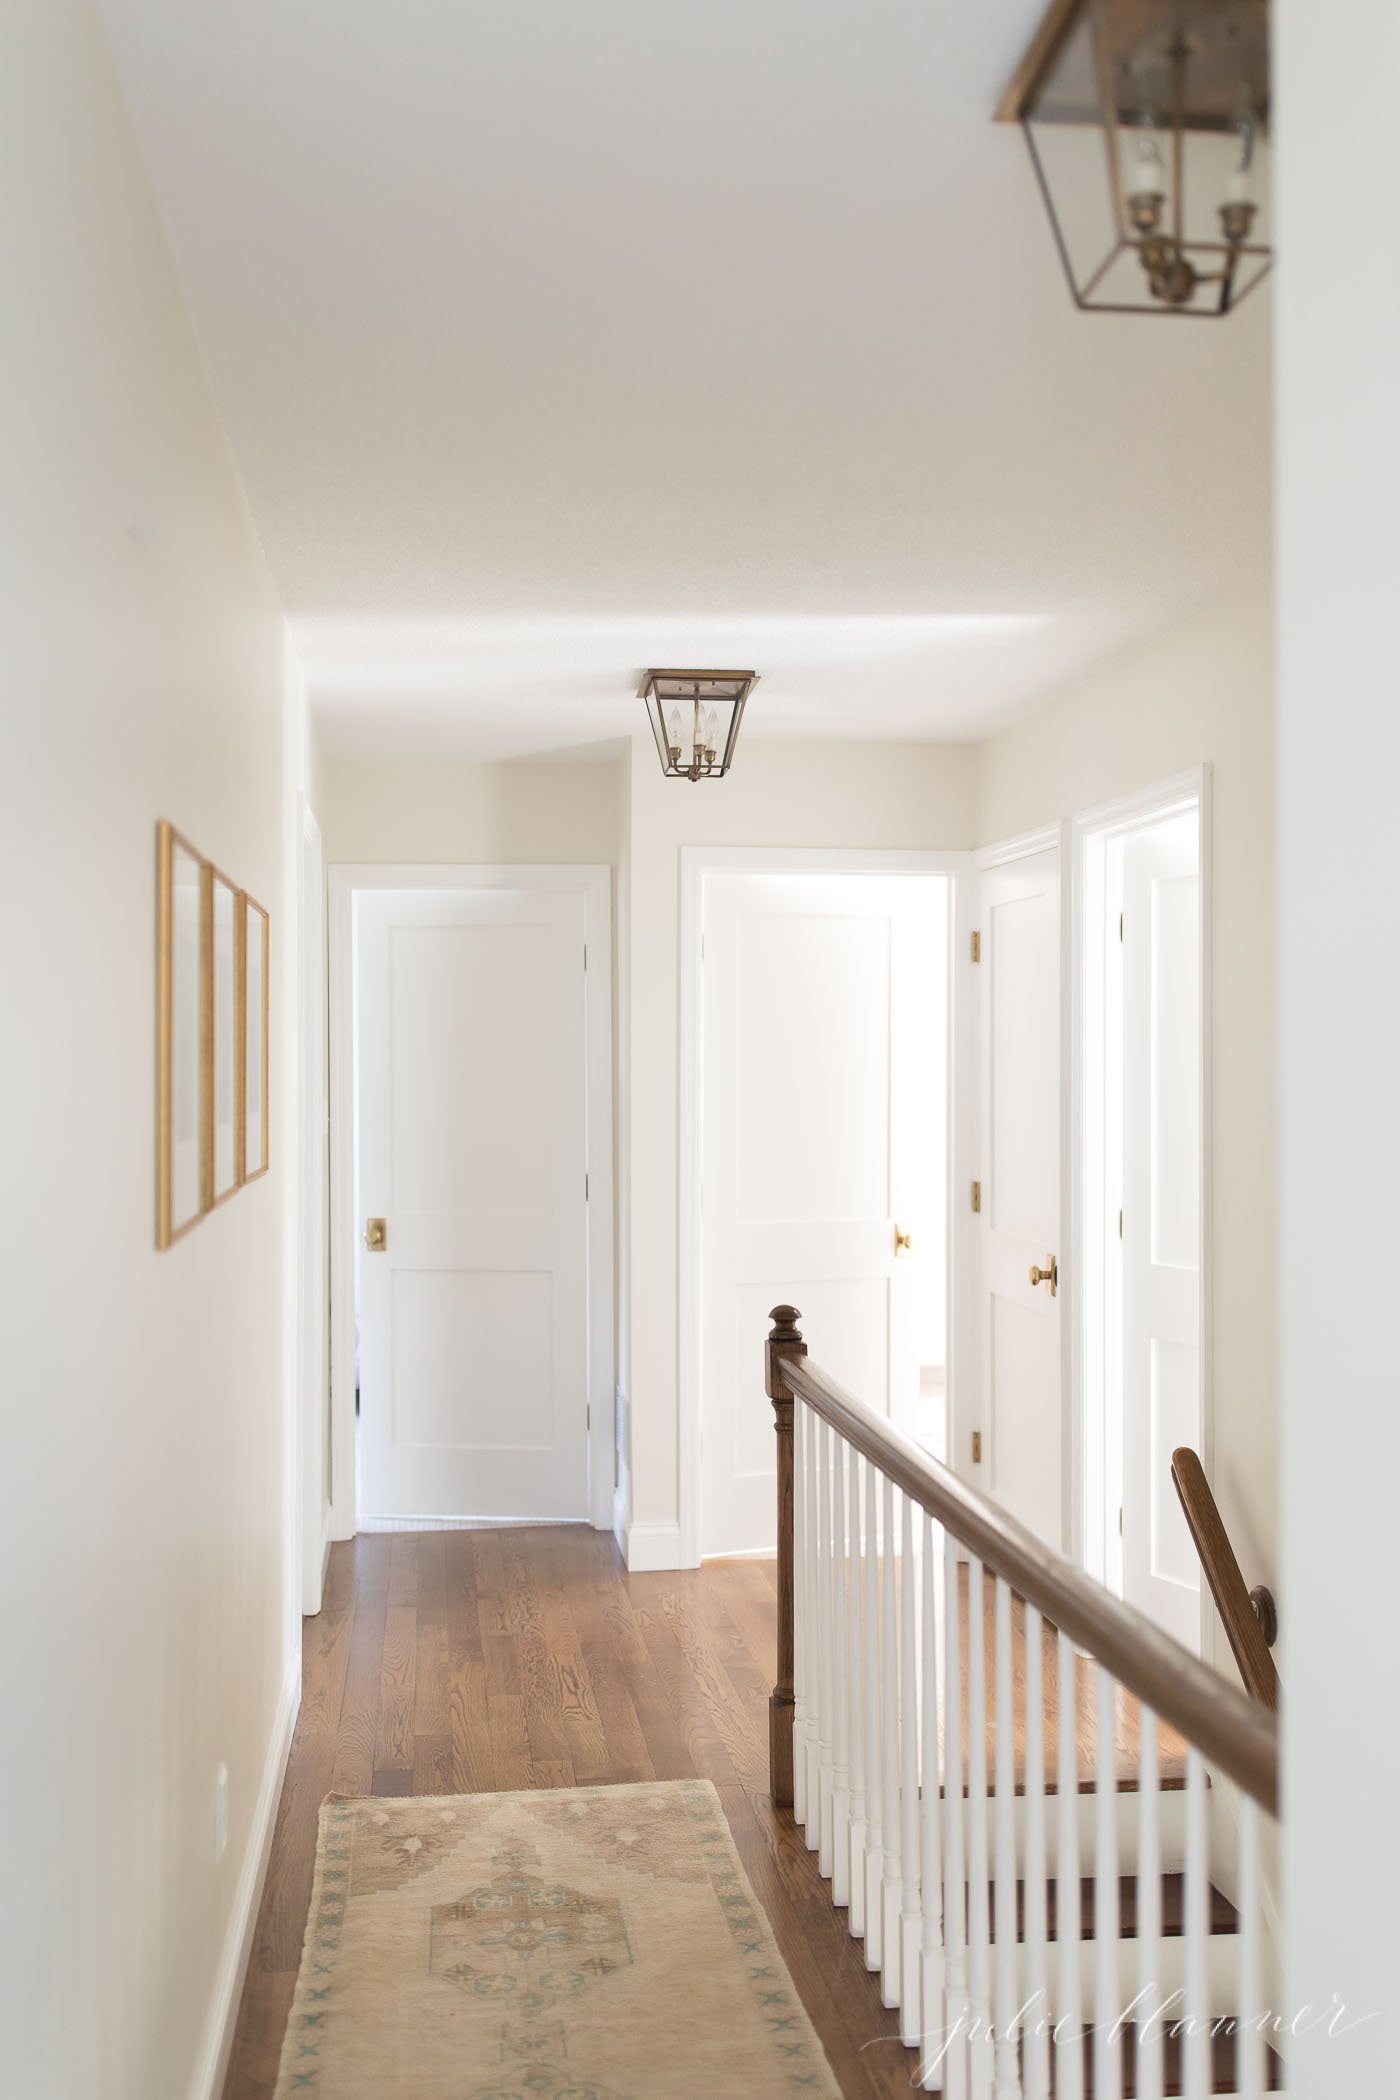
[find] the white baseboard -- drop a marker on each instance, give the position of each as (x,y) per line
(211,2065)
(368,1522)
(653,1547)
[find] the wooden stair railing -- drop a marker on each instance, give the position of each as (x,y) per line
(954,1705)
(1248,1616)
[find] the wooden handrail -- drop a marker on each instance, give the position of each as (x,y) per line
(1244,1620)
(1234,1734)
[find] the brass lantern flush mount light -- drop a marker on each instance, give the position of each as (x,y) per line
(695,717)
(1147,127)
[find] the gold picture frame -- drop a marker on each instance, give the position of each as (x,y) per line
(213,1070)
(255,978)
(180,1037)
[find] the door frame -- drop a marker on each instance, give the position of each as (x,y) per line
(697,862)
(346,880)
(1004,853)
(313,1249)
(1090,829)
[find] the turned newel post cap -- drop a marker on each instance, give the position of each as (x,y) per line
(785,1340)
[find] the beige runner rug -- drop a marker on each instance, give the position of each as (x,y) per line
(600,1943)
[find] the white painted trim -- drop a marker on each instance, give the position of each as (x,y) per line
(696,863)
(1021,847)
(622,1490)
(368,1523)
(211,2063)
(653,1548)
(314,1524)
(1160,799)
(346,880)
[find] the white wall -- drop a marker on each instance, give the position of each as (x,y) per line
(1202,692)
(521,810)
(779,794)
(1338,528)
(147,1591)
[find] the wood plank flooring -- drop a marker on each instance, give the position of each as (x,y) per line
(466,1661)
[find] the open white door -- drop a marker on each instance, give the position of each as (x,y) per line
(1161,1388)
(824,1105)
(471,1113)
(1019,1114)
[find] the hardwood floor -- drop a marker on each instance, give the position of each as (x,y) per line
(464,1661)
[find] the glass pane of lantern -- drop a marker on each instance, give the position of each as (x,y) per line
(1207,61)
(1065,131)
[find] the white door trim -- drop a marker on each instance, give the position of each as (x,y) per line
(696,863)
(1162,798)
(595,883)
(313,1178)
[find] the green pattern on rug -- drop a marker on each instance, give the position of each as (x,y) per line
(597,1943)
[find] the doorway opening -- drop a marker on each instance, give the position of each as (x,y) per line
(1142,1329)
(817,1130)
(472,1348)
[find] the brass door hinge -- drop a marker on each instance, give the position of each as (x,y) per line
(1120,925)
(976,1195)
(977,947)
(977,1447)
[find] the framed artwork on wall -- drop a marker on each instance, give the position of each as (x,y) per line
(253,1091)
(225,1005)
(179,1142)
(212,1062)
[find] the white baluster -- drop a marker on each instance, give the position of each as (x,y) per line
(1249,2042)
(931,1974)
(911,1923)
(1108,2012)
(889,1790)
(840,1685)
(1196,2080)
(1069,2036)
(870,1709)
(855,1599)
(978,1922)
(1150,2031)
(812,1746)
(1008,2078)
(955,1998)
(800,1611)
(824,1671)
(1036,2046)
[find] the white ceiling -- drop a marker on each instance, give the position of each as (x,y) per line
(555,340)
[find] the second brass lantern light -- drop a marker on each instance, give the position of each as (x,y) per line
(1147,122)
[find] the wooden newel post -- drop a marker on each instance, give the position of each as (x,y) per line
(783,1341)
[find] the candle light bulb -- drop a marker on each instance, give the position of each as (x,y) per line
(675,727)
(1241,189)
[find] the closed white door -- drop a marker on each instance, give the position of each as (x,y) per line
(1161,1214)
(472,1152)
(1018,980)
(824,1106)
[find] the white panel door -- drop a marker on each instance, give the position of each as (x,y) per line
(1019,1113)
(824,1119)
(472,1149)
(1161,1215)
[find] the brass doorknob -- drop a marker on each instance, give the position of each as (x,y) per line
(903,1239)
(376,1234)
(1050,1275)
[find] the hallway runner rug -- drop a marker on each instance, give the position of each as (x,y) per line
(597,1943)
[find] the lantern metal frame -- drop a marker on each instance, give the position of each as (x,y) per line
(665,690)
(1175,265)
